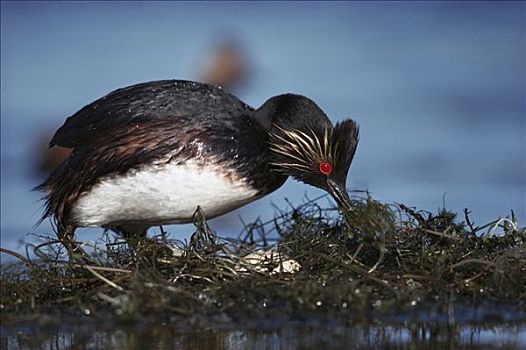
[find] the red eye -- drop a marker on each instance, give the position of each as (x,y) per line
(325,168)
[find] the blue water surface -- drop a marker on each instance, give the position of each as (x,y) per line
(438,89)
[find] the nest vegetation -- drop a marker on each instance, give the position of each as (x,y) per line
(379,259)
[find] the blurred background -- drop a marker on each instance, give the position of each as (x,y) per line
(437,88)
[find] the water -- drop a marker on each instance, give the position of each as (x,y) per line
(308,334)
(438,89)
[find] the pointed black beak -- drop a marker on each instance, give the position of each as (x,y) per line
(339,193)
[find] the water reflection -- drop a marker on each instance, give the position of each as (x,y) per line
(293,335)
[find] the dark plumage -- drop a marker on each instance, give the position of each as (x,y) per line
(171,122)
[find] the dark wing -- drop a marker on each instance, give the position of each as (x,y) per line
(143,102)
(240,148)
(154,123)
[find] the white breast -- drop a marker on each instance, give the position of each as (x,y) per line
(161,194)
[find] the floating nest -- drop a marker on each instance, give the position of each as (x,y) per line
(381,260)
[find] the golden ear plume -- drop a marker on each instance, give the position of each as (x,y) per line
(301,151)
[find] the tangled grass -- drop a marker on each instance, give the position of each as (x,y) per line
(381,259)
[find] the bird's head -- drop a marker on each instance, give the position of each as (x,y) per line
(305,145)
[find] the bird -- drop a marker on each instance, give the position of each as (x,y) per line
(153,153)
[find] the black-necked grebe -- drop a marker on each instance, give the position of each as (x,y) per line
(152,153)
